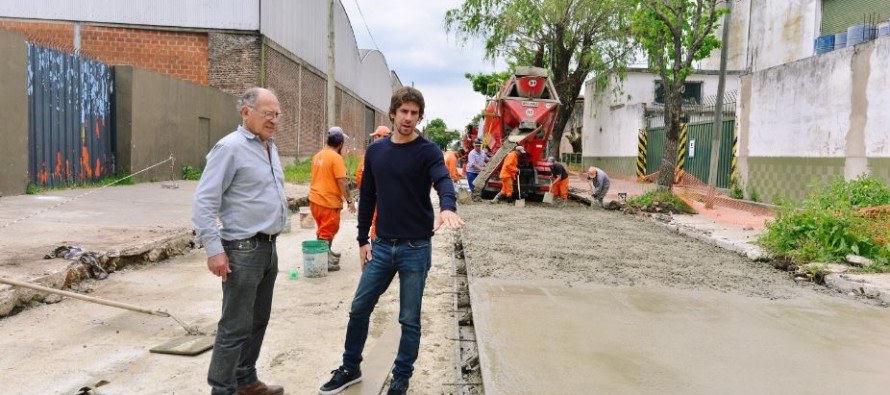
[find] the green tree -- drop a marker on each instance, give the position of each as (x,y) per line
(437,132)
(674,34)
(573,38)
(487,84)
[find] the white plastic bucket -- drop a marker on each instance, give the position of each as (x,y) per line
(315,258)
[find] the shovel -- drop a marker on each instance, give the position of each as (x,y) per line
(520,202)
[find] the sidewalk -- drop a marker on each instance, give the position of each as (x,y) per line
(736,229)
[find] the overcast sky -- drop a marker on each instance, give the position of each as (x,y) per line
(411,34)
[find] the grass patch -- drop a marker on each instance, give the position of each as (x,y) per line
(660,201)
(191,173)
(300,172)
(828,225)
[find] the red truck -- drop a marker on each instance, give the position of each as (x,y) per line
(523,113)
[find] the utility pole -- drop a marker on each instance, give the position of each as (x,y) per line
(332,81)
(717,128)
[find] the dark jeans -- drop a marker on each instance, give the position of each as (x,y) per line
(411,259)
(247,304)
(470,178)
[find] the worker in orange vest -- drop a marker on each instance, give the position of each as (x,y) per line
(509,171)
(380,133)
(327,191)
(451,164)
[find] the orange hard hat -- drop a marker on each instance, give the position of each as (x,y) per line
(381,131)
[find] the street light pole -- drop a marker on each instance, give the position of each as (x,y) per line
(717,128)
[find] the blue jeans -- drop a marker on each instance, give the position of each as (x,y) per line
(411,259)
(247,304)
(470,178)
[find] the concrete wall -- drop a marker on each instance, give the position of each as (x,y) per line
(14,113)
(816,118)
(767,33)
(612,121)
(158,115)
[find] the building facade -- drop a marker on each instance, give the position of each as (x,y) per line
(233,45)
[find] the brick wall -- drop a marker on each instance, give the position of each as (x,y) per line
(234,62)
(177,54)
(282,74)
(312,113)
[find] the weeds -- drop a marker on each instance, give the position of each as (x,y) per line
(300,171)
(663,200)
(191,173)
(827,225)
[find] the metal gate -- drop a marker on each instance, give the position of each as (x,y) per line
(698,151)
(70,131)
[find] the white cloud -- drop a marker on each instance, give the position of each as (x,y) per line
(412,37)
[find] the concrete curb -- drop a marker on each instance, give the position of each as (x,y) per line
(15,299)
(843,282)
(744,249)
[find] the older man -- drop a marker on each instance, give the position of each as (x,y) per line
(598,182)
(243,186)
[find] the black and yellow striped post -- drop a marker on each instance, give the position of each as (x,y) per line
(641,154)
(735,156)
(681,153)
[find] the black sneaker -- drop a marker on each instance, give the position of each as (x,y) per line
(342,378)
(398,386)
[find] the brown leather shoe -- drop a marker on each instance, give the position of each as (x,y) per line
(260,388)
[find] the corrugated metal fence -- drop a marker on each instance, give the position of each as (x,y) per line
(70,131)
(698,151)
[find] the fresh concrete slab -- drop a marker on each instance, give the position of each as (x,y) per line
(543,337)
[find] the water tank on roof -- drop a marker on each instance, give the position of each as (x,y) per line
(884,29)
(824,44)
(840,40)
(860,33)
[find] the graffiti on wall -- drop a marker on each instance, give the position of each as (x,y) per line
(70,131)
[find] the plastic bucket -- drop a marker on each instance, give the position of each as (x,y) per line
(315,258)
(306,220)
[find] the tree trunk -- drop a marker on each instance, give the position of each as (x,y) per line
(672,113)
(562,118)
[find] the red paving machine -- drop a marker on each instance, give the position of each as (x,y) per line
(522,113)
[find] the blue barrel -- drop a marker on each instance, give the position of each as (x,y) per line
(860,33)
(840,40)
(884,29)
(824,44)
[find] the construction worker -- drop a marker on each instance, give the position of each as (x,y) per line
(560,186)
(451,164)
(598,181)
(327,190)
(380,133)
(475,162)
(509,171)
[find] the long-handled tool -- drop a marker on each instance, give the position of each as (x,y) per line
(520,202)
(194,343)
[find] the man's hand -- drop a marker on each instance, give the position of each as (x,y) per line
(364,254)
(450,219)
(219,265)
(351,207)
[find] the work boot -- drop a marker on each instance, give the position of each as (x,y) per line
(398,386)
(260,388)
(495,199)
(341,379)
(333,262)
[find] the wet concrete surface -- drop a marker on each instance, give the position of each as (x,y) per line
(541,337)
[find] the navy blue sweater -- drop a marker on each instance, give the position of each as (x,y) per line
(397,179)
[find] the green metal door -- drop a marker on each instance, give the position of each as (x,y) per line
(838,15)
(698,153)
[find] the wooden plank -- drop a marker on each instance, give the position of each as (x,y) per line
(378,363)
